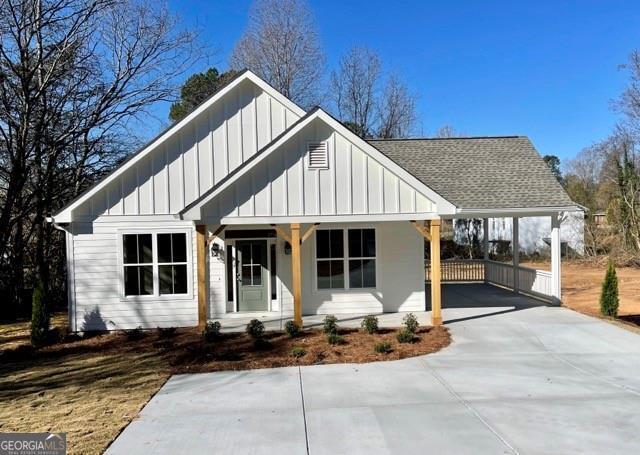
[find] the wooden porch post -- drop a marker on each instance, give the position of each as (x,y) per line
(436,303)
(201,249)
(296,274)
(556,282)
(516,253)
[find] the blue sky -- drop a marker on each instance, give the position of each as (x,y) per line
(545,69)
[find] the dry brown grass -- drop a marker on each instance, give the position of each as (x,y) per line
(92,388)
(581,285)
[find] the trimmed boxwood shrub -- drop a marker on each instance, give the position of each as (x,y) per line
(411,322)
(405,336)
(330,324)
(292,329)
(370,324)
(211,331)
(609,300)
(382,347)
(255,329)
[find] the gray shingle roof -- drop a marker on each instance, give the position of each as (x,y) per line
(479,173)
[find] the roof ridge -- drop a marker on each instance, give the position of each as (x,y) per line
(444,138)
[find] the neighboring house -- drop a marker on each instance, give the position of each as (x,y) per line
(252,205)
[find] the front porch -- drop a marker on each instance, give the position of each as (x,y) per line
(460,302)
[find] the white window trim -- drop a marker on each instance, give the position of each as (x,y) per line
(156,296)
(345,259)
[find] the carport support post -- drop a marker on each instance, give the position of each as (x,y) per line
(434,243)
(201,257)
(296,274)
(556,283)
(516,253)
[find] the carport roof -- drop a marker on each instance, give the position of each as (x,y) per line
(480,173)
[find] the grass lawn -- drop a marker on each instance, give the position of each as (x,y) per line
(91,388)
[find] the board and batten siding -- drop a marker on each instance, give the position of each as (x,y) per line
(96,300)
(400,276)
(284,185)
(196,157)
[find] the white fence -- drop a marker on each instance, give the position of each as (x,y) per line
(530,281)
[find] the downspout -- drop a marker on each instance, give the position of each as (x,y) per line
(70,261)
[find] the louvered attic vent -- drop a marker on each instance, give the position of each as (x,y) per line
(318,157)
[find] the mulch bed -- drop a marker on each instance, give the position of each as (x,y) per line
(186,352)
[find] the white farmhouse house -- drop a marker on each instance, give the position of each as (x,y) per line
(250,205)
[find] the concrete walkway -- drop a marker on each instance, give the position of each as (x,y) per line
(518,378)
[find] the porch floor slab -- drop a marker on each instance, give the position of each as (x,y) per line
(519,377)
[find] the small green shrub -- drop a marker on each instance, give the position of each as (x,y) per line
(298,352)
(334,339)
(255,329)
(370,324)
(405,336)
(39,317)
(609,300)
(134,334)
(411,322)
(164,333)
(330,324)
(292,329)
(211,331)
(382,347)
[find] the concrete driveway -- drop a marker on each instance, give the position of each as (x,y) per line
(518,378)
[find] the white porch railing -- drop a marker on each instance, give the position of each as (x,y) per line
(530,281)
(459,270)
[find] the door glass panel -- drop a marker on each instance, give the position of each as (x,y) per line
(272,253)
(257,275)
(246,275)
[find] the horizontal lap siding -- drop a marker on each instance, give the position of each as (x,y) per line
(97,275)
(400,264)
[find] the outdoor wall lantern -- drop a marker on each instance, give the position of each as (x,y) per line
(215,250)
(287,248)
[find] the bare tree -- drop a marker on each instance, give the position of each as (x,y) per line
(354,89)
(366,102)
(397,110)
(74,74)
(281,45)
(447,131)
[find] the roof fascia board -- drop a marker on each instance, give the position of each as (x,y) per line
(64,214)
(516,211)
(359,218)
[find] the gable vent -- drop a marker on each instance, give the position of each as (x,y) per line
(318,156)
